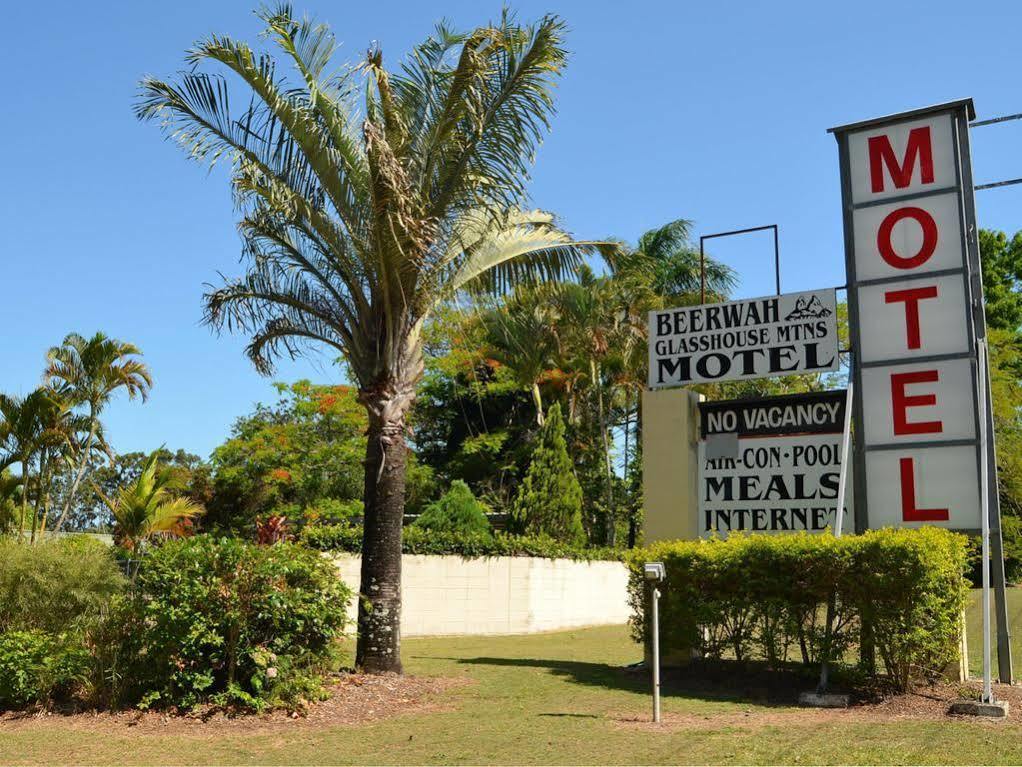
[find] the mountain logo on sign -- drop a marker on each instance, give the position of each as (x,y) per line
(807,310)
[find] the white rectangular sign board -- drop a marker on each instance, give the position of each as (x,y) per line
(772,465)
(893,315)
(774,485)
(753,338)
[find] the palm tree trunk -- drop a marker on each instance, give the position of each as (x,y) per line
(629,497)
(24,498)
(609,535)
(378,649)
(537,398)
(38,498)
(46,502)
(79,473)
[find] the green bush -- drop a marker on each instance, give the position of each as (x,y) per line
(57,585)
(228,623)
(36,667)
(764,597)
(414,540)
(456,512)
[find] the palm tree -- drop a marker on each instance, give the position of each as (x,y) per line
(26,429)
(87,373)
(363,213)
(146,507)
(593,330)
(519,334)
(661,271)
(664,268)
(61,439)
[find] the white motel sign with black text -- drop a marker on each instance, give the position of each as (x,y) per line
(779,335)
(909,228)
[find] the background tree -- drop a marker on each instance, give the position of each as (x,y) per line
(1002,278)
(87,373)
(289,458)
(473,419)
(549,500)
(354,233)
(1001,257)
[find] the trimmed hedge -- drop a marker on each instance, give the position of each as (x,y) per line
(765,597)
(348,538)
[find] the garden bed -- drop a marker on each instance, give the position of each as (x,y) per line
(354,699)
(930,703)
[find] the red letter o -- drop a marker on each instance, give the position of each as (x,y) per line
(929,227)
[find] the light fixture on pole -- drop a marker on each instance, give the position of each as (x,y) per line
(655,573)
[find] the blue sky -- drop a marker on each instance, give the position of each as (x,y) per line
(712,111)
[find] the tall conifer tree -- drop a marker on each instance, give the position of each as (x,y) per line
(549,500)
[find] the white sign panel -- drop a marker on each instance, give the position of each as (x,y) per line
(923,486)
(924,402)
(773,485)
(893,316)
(753,338)
(919,236)
(902,158)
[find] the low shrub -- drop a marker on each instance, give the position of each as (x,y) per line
(415,540)
(56,585)
(37,668)
(456,512)
(227,623)
(765,597)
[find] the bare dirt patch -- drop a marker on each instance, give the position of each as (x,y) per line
(354,699)
(926,703)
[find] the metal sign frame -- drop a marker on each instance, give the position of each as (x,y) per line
(702,256)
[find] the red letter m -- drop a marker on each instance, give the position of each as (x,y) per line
(881,153)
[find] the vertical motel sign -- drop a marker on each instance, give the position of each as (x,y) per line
(915,312)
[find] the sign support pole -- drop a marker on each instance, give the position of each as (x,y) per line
(992,510)
(839,520)
(656,654)
(988,695)
(846,438)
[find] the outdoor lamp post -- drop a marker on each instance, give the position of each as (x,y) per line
(655,573)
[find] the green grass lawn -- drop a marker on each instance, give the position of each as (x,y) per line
(559,698)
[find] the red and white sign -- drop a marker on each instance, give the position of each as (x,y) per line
(899,239)
(923,486)
(902,157)
(922,402)
(911,315)
(938,306)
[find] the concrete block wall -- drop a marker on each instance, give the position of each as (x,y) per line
(449,595)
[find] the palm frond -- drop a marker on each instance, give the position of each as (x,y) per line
(493,258)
